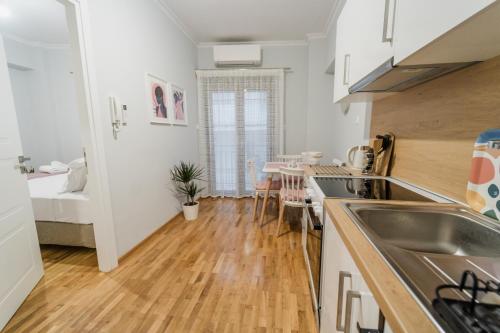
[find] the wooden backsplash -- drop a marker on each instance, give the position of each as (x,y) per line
(436,125)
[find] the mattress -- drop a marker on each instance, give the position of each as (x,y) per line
(49,204)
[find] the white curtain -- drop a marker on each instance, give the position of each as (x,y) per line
(240,118)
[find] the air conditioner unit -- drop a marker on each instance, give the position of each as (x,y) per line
(237,55)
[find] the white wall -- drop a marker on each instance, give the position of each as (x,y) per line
(313,121)
(329,129)
(45,101)
(295,57)
(127,42)
(320,112)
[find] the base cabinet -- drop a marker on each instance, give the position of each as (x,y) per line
(346,300)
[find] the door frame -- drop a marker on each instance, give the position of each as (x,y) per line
(91,120)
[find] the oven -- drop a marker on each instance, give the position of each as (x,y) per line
(313,236)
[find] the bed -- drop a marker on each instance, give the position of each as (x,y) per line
(61,218)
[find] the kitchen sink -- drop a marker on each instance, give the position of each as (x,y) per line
(429,246)
(455,232)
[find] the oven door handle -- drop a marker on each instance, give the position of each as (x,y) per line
(312,225)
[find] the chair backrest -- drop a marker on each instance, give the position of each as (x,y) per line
(290,159)
(292,186)
(252,173)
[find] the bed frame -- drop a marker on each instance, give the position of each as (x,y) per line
(69,234)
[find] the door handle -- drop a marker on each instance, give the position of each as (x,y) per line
(23,168)
(340,299)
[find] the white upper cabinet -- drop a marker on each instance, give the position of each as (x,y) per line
(373,29)
(342,55)
(371,33)
(419,23)
(364,41)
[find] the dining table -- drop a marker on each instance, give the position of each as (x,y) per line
(271,169)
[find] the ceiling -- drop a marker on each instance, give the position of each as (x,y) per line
(251,20)
(37,21)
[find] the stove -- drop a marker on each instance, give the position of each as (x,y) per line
(365,188)
(339,187)
(465,313)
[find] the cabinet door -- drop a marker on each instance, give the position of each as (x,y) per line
(364,35)
(372,44)
(418,23)
(338,273)
(346,299)
(331,268)
(342,56)
(362,310)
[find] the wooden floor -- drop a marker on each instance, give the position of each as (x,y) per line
(221,273)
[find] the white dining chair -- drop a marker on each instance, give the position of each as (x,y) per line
(260,187)
(292,191)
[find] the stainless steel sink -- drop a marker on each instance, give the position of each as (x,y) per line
(428,246)
(455,232)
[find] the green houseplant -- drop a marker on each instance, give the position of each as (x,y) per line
(185,177)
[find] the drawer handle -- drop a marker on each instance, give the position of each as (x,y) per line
(340,299)
(348,308)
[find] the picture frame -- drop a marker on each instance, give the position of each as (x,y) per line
(178,107)
(158,100)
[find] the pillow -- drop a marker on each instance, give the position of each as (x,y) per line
(78,163)
(77,176)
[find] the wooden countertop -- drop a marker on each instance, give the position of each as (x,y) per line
(399,307)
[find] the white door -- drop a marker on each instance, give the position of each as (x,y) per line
(20,260)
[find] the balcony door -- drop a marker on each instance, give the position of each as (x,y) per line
(240,120)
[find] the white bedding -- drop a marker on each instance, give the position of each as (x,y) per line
(51,205)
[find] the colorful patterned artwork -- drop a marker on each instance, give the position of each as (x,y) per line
(483,189)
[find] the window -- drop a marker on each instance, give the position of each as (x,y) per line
(240,119)
(256,131)
(224,133)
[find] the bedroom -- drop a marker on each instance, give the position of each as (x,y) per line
(42,75)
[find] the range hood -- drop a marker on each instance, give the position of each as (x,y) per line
(390,78)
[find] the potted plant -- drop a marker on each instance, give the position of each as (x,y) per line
(185,177)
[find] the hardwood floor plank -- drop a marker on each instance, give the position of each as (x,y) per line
(220,273)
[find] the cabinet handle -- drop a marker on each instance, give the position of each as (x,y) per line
(348,309)
(347,68)
(389,14)
(340,299)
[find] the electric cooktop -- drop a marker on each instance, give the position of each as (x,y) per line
(366,188)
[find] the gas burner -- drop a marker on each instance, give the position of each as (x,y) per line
(469,315)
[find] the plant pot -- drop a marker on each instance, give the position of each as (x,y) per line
(191,212)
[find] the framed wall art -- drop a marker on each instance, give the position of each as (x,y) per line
(177,98)
(157,96)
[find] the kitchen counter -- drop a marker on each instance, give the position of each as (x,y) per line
(399,306)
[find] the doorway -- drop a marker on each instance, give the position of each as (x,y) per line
(46,44)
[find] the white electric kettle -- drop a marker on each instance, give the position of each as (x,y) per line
(358,157)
